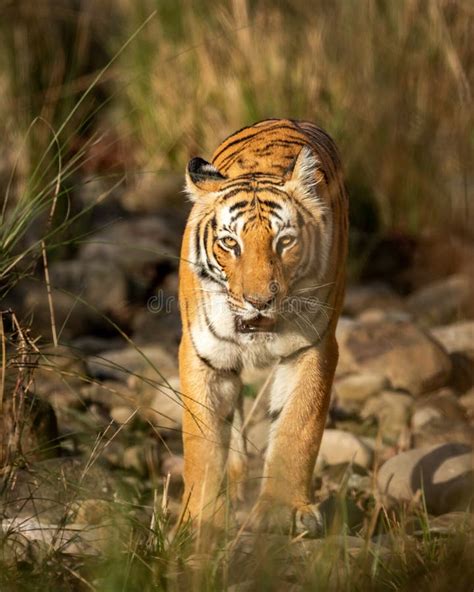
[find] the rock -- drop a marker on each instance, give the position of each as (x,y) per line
(90,512)
(160,322)
(392,410)
(442,430)
(341,514)
(28,430)
(99,283)
(441,404)
(144,248)
(451,522)
(339,447)
(359,298)
(398,350)
(50,487)
(352,390)
(347,475)
(74,317)
(172,464)
(440,418)
(462,374)
(130,363)
(148,399)
(59,364)
(152,384)
(345,326)
(457,337)
(443,301)
(59,375)
(458,340)
(97,524)
(122,414)
(14,548)
(467,402)
(142,458)
(443,472)
(376,315)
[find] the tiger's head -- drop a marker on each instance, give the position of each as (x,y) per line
(259,235)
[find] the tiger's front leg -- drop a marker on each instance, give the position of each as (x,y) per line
(299,403)
(209,397)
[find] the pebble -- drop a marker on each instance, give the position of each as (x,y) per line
(443,472)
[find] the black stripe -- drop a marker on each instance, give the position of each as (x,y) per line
(206,235)
(238,204)
(233,192)
(249,219)
(300,218)
(274,415)
(237,216)
(270,203)
(246,178)
(228,160)
(276,215)
(204,359)
(211,329)
(271,146)
(249,137)
(204,274)
(307,253)
(297,353)
(270,189)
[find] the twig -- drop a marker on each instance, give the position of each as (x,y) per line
(4,361)
(50,298)
(45,259)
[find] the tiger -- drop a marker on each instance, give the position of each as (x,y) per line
(261,284)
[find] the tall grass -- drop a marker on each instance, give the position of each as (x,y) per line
(392,81)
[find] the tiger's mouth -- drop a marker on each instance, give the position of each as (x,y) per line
(258,324)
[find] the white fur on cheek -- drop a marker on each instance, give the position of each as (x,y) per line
(211,340)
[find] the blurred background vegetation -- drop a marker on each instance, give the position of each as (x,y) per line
(102,103)
(135,88)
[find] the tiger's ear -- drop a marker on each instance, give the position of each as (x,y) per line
(202,178)
(305,174)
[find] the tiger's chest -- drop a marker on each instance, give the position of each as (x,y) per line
(216,339)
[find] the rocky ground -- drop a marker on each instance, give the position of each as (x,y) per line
(96,421)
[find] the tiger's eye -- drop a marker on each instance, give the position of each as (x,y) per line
(229,242)
(286,241)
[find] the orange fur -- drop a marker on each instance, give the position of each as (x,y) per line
(261,282)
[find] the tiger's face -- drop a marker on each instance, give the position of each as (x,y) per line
(257,236)
(258,246)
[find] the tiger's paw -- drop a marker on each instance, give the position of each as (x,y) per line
(271,516)
(308,520)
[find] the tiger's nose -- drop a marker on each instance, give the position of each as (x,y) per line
(260,302)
